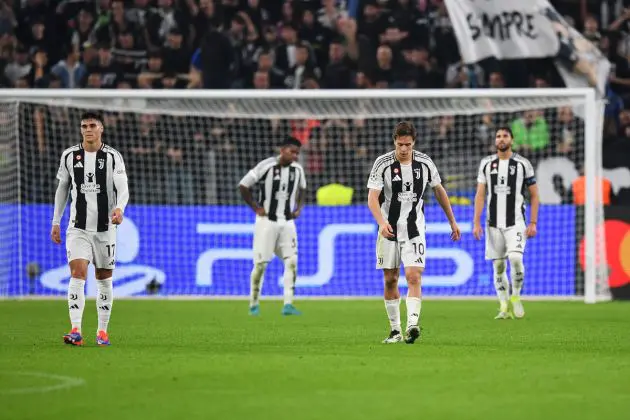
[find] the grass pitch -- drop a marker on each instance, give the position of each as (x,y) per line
(210,360)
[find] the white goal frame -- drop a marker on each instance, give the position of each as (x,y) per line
(592,114)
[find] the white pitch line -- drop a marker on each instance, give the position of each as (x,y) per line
(64,383)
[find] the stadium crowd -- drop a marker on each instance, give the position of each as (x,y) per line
(275,44)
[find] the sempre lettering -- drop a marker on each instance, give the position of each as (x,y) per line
(502,26)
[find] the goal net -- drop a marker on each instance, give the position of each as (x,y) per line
(187,231)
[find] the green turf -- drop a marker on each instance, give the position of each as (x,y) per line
(210,360)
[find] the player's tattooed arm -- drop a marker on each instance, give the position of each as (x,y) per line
(300,203)
(248,197)
(480,197)
(442,197)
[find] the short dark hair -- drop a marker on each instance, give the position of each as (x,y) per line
(504,128)
(91,115)
(404,128)
(291,141)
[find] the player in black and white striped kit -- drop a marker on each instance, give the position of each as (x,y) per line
(94,174)
(282,183)
(401,177)
(504,177)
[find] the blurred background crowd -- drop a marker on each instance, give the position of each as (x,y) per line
(286,44)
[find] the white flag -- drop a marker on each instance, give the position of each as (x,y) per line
(502,29)
(517,29)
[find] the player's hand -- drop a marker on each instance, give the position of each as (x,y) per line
(530,232)
(296,213)
(386,230)
(117,216)
(456,234)
(55,234)
(477,231)
(260,211)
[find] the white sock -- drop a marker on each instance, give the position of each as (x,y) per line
(501,284)
(76,302)
(517,272)
(414,304)
(290,273)
(255,282)
(393,313)
(104,302)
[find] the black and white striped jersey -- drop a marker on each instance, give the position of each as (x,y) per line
(94,177)
(506,181)
(403,187)
(278,186)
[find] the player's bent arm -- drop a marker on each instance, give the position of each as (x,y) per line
(375,206)
(301,200)
(442,197)
(61,199)
(535,203)
(248,197)
(122,188)
(480,197)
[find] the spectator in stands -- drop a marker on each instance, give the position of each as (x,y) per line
(261,80)
(384,72)
(286,51)
(338,72)
(82,31)
(164,19)
(175,52)
(21,65)
(94,81)
(495,80)
(421,72)
(591,30)
(460,75)
(258,15)
(266,65)
(373,23)
(317,36)
(531,134)
(328,14)
(40,39)
(70,70)
(212,64)
(203,17)
(567,136)
(105,65)
(303,69)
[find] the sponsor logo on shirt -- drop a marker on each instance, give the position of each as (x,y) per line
(407,197)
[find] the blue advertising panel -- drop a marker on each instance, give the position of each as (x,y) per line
(206,250)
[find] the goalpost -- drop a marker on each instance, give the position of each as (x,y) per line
(188,233)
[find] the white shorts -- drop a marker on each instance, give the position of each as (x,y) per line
(279,238)
(389,254)
(501,242)
(99,248)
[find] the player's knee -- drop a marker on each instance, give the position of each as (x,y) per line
(78,271)
(413,277)
(391,279)
(290,263)
(516,261)
(261,266)
(499,266)
(103,273)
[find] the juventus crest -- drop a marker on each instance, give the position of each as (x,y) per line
(101,163)
(512,169)
(418,173)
